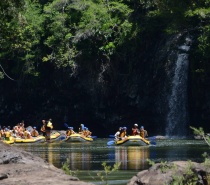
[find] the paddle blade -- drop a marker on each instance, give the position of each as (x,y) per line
(94,137)
(151,138)
(152,143)
(110,143)
(66,125)
(62,137)
(112,136)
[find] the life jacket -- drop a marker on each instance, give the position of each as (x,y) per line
(26,135)
(43,128)
(34,133)
(122,134)
(142,133)
(49,124)
(88,133)
(84,133)
(68,132)
(135,131)
(7,134)
(72,132)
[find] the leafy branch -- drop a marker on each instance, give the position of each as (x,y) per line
(200,132)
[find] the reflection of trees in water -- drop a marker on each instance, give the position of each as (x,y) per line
(132,157)
(80,160)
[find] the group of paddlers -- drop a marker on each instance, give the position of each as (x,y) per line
(122,132)
(19,131)
(83,131)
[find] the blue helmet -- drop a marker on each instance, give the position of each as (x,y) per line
(125,128)
(142,127)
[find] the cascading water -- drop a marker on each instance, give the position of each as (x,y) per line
(177,117)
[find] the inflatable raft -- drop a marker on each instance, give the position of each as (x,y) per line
(32,140)
(133,141)
(77,138)
(53,137)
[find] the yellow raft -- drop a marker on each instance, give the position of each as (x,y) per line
(32,140)
(53,137)
(133,141)
(77,138)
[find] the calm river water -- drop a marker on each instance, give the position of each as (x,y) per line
(86,158)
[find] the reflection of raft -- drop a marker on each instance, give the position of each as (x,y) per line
(133,141)
(77,138)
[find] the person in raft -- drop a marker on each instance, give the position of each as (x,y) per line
(69,131)
(81,128)
(7,134)
(27,134)
(117,134)
(43,128)
(86,132)
(135,130)
(34,132)
(48,128)
(123,133)
(143,133)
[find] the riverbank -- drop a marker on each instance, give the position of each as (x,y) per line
(21,167)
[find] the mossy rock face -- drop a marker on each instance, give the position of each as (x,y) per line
(181,172)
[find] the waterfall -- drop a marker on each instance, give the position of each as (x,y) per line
(177,117)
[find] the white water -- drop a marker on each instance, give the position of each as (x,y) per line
(177,118)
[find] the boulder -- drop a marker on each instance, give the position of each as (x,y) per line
(21,167)
(178,171)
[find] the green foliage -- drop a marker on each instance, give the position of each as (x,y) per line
(201,133)
(107,171)
(104,175)
(84,30)
(66,169)
(165,166)
(1,75)
(188,178)
(206,159)
(152,163)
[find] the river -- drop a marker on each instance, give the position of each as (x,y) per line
(85,159)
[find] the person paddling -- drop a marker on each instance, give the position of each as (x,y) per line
(34,132)
(143,133)
(117,134)
(135,130)
(43,128)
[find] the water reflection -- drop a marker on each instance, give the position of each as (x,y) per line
(90,156)
(80,160)
(131,157)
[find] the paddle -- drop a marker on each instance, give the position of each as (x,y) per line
(66,125)
(110,143)
(151,138)
(112,136)
(94,137)
(152,143)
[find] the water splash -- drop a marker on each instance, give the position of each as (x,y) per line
(177,117)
